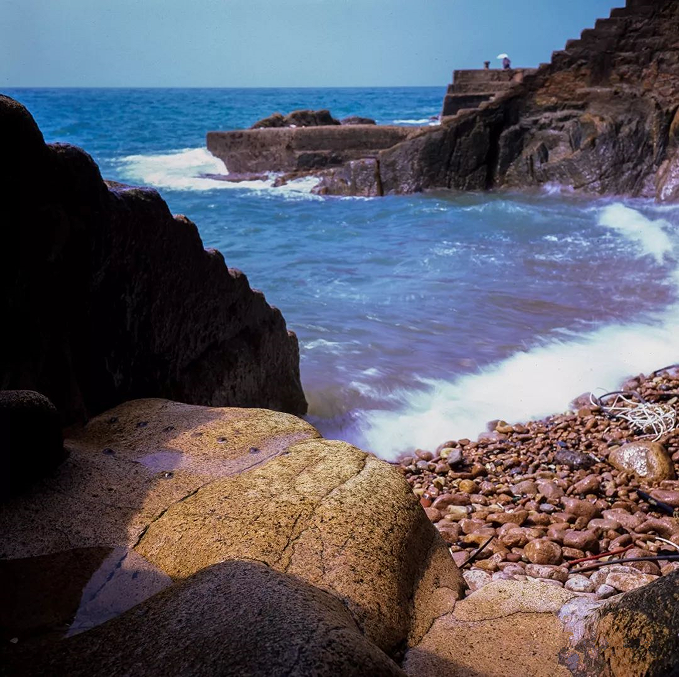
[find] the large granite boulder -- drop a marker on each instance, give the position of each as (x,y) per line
(184,488)
(31,443)
(298,118)
(108,297)
(231,619)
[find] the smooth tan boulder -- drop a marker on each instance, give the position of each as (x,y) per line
(330,514)
(187,487)
(506,628)
(230,620)
(131,463)
(647,460)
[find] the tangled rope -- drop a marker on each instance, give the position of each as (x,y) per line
(647,417)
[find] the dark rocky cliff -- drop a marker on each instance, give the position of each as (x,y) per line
(107,297)
(600,118)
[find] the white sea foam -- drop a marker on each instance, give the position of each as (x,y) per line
(420,121)
(185,169)
(543,379)
(650,236)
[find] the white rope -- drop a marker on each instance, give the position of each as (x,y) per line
(652,419)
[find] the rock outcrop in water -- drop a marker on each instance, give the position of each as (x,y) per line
(298,118)
(601,118)
(302,149)
(108,297)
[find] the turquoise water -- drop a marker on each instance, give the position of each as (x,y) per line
(419,317)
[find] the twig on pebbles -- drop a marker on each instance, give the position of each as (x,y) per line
(653,558)
(594,557)
(664,540)
(476,553)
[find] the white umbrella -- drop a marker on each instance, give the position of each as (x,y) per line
(503,56)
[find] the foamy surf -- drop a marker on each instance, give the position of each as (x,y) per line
(186,169)
(543,379)
(418,121)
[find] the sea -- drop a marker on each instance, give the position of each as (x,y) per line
(422,317)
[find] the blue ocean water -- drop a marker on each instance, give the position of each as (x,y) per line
(419,317)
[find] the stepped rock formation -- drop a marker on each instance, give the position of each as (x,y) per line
(108,297)
(601,118)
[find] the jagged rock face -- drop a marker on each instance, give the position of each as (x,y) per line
(108,297)
(601,118)
(298,118)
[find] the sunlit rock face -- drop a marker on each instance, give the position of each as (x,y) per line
(183,505)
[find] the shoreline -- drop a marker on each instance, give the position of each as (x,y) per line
(536,498)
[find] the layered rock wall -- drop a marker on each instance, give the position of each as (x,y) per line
(601,118)
(108,297)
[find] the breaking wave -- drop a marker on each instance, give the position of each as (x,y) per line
(190,169)
(543,379)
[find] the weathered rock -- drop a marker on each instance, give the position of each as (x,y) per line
(49,597)
(579,583)
(667,496)
(31,444)
(582,540)
(573,459)
(647,460)
(476,579)
(504,628)
(298,118)
(360,178)
(580,508)
(302,149)
(635,635)
(600,118)
(357,120)
(235,618)
(113,298)
(187,487)
(625,582)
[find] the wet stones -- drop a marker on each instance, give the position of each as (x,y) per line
(647,460)
(547,491)
(543,551)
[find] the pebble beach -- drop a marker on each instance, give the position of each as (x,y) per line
(575,499)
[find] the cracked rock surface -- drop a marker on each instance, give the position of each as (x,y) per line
(187,488)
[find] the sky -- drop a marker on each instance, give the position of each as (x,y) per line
(276,43)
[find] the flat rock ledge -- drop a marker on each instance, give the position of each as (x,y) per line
(186,540)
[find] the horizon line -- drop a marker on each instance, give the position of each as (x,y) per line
(217,86)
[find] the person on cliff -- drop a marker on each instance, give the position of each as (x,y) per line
(506,63)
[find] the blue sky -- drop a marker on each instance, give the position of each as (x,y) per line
(276,43)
